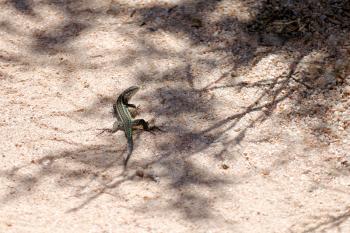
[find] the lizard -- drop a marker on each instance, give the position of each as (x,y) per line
(125,121)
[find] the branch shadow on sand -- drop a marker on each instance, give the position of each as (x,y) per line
(182,98)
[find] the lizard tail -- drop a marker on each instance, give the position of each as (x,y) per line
(130,149)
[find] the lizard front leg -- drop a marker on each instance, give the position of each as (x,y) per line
(116,126)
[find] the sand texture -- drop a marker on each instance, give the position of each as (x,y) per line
(253,99)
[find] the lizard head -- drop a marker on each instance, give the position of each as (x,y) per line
(128,93)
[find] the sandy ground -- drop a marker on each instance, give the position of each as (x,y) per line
(245,147)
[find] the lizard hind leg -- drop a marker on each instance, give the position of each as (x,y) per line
(145,125)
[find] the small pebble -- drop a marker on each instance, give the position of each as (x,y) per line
(265,172)
(224,166)
(347,90)
(140,173)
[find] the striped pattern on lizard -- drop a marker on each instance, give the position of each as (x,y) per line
(125,121)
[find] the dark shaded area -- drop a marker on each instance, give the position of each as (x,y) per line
(94,163)
(295,18)
(278,27)
(181,100)
(53,41)
(23,6)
